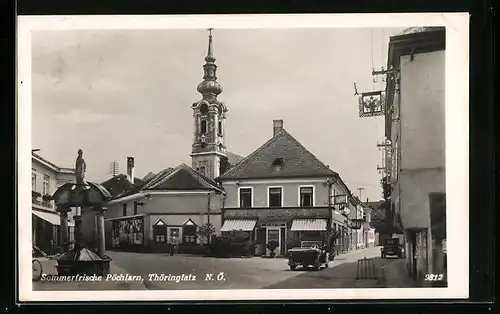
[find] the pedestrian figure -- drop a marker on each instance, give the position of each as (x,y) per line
(173,245)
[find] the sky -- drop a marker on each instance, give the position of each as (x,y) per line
(120,93)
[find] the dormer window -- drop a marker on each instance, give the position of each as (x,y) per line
(203,127)
(278,162)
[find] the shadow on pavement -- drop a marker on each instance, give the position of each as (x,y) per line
(339,276)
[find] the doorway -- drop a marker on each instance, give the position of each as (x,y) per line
(273,234)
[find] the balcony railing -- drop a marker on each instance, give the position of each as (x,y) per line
(39,200)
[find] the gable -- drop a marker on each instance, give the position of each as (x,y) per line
(281,156)
(183,178)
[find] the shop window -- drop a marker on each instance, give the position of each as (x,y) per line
(306,196)
(189,233)
(275,197)
(245,197)
(160,232)
(46,184)
(311,235)
(33,181)
(124,206)
(174,234)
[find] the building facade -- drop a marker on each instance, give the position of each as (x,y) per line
(282,192)
(415,127)
(167,209)
(45,224)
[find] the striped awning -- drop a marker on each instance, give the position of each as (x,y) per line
(308,225)
(53,219)
(238,224)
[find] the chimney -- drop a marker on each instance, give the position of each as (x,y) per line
(277,126)
(130,169)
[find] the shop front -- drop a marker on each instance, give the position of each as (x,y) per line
(287,227)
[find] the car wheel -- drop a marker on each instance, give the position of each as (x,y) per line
(317,265)
(293,267)
(326,264)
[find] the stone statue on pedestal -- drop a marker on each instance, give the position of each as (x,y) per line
(80,168)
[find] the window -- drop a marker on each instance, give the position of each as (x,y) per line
(203,127)
(33,181)
(203,170)
(275,197)
(124,209)
(174,235)
(160,232)
(220,127)
(204,108)
(189,232)
(306,196)
(245,197)
(135,208)
(46,184)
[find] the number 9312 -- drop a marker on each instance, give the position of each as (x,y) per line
(433,277)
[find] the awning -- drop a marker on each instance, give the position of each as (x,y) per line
(53,219)
(238,224)
(308,225)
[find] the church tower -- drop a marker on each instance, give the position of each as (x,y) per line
(209,114)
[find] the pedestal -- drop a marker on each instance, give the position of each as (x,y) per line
(100,231)
(63,215)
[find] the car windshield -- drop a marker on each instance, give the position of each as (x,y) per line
(391,241)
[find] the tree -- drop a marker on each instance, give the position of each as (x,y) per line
(205,232)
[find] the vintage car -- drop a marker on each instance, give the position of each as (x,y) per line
(392,248)
(310,253)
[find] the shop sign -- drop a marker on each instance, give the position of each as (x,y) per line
(277,213)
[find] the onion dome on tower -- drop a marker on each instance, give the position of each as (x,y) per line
(209,88)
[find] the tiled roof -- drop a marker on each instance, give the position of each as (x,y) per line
(182,177)
(119,185)
(233,158)
(148,176)
(294,161)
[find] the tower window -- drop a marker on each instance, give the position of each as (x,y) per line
(220,128)
(204,109)
(203,126)
(203,170)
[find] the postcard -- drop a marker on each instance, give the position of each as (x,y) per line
(243,157)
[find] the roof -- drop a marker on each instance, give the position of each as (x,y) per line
(148,176)
(51,165)
(294,161)
(119,185)
(182,177)
(420,29)
(374,205)
(233,158)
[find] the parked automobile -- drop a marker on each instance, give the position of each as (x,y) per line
(310,253)
(391,247)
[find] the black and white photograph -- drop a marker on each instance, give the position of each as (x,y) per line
(204,158)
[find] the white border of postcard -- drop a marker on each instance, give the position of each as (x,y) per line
(457,148)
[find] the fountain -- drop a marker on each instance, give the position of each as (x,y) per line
(87,196)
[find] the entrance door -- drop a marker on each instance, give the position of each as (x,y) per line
(273,234)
